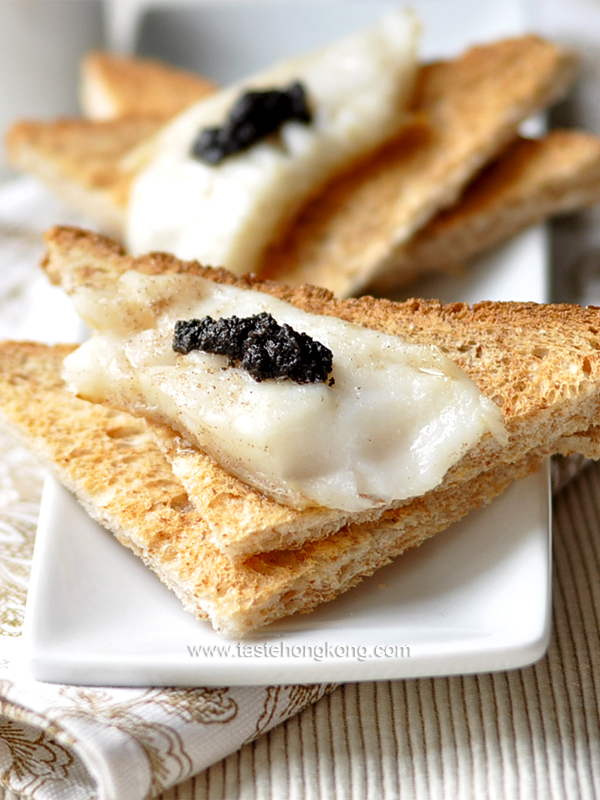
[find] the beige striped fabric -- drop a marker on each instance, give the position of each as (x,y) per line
(527,734)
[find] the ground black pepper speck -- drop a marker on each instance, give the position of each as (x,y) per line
(258,344)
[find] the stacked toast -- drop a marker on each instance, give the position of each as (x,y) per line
(232,554)
(457,180)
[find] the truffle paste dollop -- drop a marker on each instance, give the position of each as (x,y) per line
(254,115)
(258,344)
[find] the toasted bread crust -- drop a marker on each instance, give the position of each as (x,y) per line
(113,85)
(470,109)
(82,161)
(533,179)
(540,364)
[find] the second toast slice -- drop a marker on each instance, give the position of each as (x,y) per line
(539,364)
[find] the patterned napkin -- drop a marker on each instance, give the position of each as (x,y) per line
(75,742)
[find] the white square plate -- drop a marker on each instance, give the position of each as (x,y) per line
(474,598)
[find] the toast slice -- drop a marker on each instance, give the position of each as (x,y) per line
(81,161)
(540,365)
(532,180)
(114,86)
(349,234)
(469,109)
(119,475)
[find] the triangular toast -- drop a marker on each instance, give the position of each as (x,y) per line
(80,160)
(540,365)
(113,85)
(533,179)
(471,108)
(468,110)
(112,465)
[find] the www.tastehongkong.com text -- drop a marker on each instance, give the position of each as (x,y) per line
(317,652)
